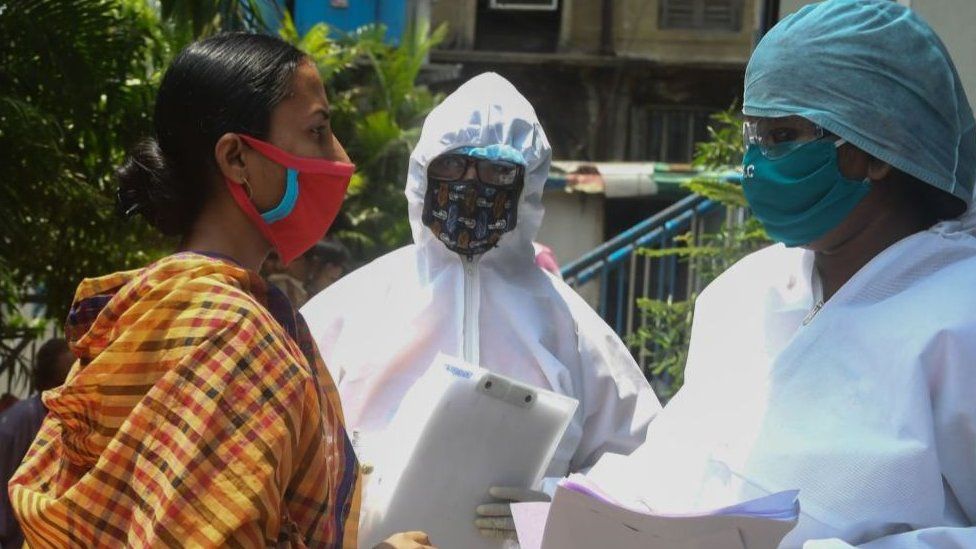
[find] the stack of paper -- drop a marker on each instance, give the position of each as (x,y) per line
(582,516)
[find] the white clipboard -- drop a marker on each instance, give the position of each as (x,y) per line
(458,431)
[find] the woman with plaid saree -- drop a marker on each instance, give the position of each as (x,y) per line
(199,412)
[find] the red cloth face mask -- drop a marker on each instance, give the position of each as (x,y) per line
(314,189)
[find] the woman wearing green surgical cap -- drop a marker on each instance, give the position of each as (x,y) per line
(841,361)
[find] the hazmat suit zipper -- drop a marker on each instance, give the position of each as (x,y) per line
(816,285)
(472,303)
(813,312)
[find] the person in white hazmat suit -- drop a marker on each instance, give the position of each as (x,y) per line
(841,362)
(469,287)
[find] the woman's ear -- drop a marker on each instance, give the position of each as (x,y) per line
(852,162)
(229,154)
(857,164)
(878,170)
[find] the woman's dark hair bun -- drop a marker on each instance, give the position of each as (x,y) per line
(227,83)
(146,187)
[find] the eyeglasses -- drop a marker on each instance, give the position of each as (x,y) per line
(778,137)
(452,167)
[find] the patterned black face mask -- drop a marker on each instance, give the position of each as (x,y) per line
(470,216)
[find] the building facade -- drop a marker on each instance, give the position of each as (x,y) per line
(612,80)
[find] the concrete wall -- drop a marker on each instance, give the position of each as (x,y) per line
(459,15)
(572,226)
(635,31)
(787,7)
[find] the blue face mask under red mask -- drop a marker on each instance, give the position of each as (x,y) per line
(314,190)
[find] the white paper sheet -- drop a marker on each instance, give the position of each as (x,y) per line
(581,516)
(530,522)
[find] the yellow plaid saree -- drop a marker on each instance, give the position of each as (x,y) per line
(198,414)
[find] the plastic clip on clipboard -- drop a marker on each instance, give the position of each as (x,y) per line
(458,431)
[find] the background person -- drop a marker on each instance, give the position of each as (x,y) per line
(328,261)
(469,287)
(20,423)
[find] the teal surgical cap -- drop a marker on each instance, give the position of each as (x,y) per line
(494,152)
(875,74)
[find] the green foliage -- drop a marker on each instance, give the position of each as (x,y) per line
(77,83)
(719,190)
(77,80)
(331,57)
(198,18)
(724,147)
(665,330)
(378,109)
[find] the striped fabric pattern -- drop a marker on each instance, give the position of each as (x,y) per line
(193,417)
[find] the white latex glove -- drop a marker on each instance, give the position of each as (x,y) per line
(495,519)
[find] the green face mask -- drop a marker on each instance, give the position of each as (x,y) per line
(801,196)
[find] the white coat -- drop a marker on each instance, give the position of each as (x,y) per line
(380,327)
(866,404)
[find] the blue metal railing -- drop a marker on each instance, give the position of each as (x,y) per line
(624,277)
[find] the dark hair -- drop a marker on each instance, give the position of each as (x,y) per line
(47,375)
(227,83)
(933,203)
(329,251)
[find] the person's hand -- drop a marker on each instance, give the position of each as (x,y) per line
(495,519)
(407,540)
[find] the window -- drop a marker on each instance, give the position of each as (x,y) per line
(723,15)
(546,5)
(522,30)
(667,134)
